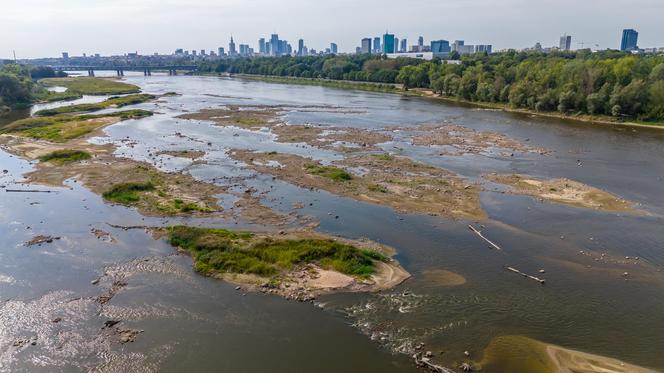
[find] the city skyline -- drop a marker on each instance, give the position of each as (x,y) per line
(148,27)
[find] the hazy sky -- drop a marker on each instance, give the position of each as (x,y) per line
(41,28)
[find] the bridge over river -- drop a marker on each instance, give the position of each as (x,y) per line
(147,69)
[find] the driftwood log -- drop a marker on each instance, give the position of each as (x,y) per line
(477,232)
(425,362)
(540,280)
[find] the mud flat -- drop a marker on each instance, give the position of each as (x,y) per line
(564,191)
(397,182)
(297,265)
(466,140)
(245,116)
(332,138)
(522,354)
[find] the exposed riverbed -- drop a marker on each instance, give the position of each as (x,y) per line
(603,269)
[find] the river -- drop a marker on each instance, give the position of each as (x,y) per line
(191,322)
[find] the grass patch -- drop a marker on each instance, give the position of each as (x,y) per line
(62,128)
(61,157)
(343,84)
(377,188)
(127,193)
(221,250)
(91,86)
(329,172)
(111,102)
(47,96)
(383,157)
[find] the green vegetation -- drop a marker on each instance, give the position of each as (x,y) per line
(377,188)
(383,156)
(111,102)
(18,89)
(61,157)
(220,250)
(61,128)
(91,86)
(329,172)
(609,84)
(127,193)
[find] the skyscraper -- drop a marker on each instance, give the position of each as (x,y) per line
(565,42)
(629,41)
(231,47)
(275,43)
(396,45)
(404,45)
(388,43)
(376,45)
(420,42)
(440,46)
(366,46)
(334,49)
(300,47)
(221,51)
(261,46)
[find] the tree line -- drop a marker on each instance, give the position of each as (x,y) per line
(18,87)
(609,83)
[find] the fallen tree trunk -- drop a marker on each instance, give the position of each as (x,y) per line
(27,191)
(540,280)
(484,238)
(426,363)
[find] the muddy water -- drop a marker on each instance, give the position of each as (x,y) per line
(190,322)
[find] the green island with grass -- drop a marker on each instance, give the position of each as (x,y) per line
(62,128)
(112,102)
(91,86)
(64,156)
(330,172)
(225,251)
(151,193)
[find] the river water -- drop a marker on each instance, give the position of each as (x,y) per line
(190,322)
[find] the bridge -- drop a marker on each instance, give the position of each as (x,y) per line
(147,70)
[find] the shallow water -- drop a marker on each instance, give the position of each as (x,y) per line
(191,322)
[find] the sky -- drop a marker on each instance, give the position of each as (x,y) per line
(46,28)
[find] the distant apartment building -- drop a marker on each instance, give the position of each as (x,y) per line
(420,42)
(334,49)
(366,46)
(221,51)
(179,51)
(388,43)
(404,45)
(65,55)
(376,45)
(440,47)
(629,41)
(565,42)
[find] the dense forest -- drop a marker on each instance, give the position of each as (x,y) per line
(609,83)
(17,85)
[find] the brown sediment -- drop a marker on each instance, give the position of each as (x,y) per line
(333,138)
(564,191)
(397,182)
(248,117)
(522,354)
(442,277)
(467,140)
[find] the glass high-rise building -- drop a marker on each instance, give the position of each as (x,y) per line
(275,45)
(334,49)
(388,43)
(404,45)
(376,45)
(300,47)
(261,46)
(440,46)
(630,39)
(366,46)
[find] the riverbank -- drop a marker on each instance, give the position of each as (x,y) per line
(420,92)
